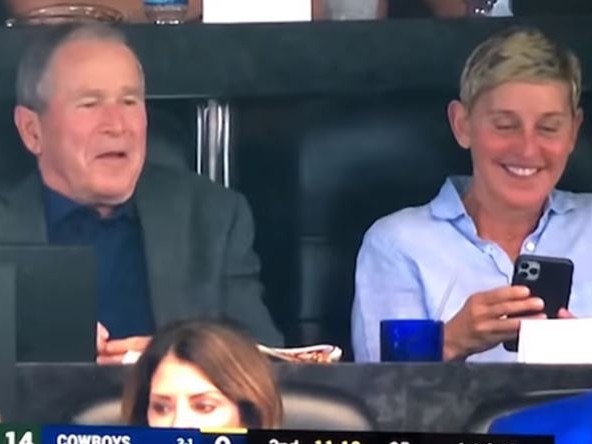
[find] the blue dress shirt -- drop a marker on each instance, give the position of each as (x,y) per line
(410,258)
(123,295)
(568,419)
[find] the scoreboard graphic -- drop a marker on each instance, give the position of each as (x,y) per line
(54,434)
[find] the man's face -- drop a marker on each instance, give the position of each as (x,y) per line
(90,140)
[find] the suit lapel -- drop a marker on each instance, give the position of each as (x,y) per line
(22,214)
(165,213)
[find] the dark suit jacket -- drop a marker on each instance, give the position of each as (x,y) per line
(198,239)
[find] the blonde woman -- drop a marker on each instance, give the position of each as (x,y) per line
(452,259)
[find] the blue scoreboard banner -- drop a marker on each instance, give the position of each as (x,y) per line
(23,434)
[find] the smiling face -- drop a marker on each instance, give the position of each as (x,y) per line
(181,396)
(90,139)
(520,135)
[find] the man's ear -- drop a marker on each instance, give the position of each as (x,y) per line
(458,118)
(29,128)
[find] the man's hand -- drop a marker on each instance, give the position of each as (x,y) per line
(113,351)
(485,320)
(102,338)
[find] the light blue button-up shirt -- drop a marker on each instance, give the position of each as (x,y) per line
(411,258)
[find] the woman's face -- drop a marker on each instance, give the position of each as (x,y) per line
(520,135)
(181,396)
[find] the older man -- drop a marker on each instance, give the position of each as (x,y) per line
(169,244)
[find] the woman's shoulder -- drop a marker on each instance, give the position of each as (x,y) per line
(401,225)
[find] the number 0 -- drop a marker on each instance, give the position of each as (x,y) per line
(223,440)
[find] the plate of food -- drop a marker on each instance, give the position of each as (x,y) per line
(313,354)
(65,13)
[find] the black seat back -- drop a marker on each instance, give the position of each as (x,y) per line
(319,170)
(482,419)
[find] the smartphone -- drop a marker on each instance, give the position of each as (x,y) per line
(548,278)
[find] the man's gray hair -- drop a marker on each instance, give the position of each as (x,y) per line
(32,86)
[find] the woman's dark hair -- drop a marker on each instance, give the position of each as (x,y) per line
(227,356)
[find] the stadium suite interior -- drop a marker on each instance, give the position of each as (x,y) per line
(323,128)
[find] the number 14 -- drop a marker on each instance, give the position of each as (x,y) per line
(27,438)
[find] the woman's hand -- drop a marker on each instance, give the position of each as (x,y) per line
(486,320)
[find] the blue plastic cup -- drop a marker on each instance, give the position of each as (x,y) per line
(411,340)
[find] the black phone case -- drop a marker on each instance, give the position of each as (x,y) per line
(549,278)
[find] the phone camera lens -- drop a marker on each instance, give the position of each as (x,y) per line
(523,274)
(524,265)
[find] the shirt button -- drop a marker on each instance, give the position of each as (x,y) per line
(530,246)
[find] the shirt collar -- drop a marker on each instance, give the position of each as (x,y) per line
(58,207)
(561,202)
(448,204)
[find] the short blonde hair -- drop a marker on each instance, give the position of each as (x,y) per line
(522,54)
